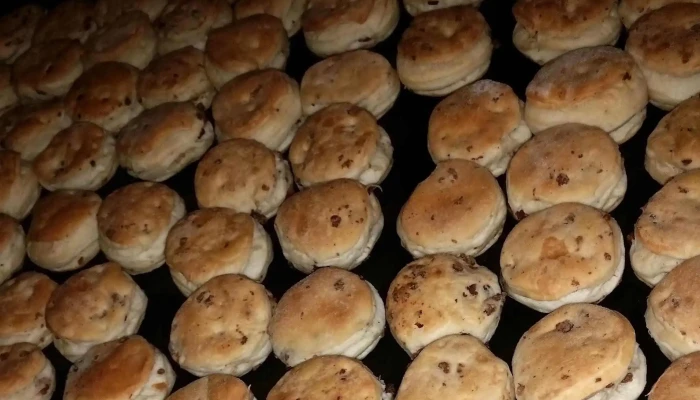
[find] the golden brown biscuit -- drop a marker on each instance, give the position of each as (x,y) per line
(25,373)
(415,7)
(23,302)
(680,381)
(8,95)
(188,22)
(214,387)
(288,11)
(109,10)
(17,29)
(12,248)
(632,10)
(71,19)
(19,188)
(130,39)
(28,129)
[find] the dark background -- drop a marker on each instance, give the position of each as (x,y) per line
(407,124)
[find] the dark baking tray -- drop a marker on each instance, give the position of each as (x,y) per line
(407,124)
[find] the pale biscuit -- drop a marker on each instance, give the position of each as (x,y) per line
(8,95)
(23,301)
(29,128)
(130,39)
(25,373)
(188,22)
(288,11)
(415,7)
(19,187)
(214,387)
(12,247)
(679,381)
(17,29)
(109,10)
(71,19)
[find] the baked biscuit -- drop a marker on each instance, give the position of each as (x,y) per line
(260,105)
(415,7)
(341,141)
(288,11)
(679,381)
(458,209)
(25,373)
(214,387)
(598,86)
(8,95)
(17,29)
(19,187)
(216,241)
(23,302)
(632,10)
(335,223)
(360,77)
(443,50)
(109,10)
(28,129)
(254,42)
(71,19)
(421,306)
(482,122)
(129,39)
(12,248)
(566,163)
(330,312)
(188,22)
(94,306)
(163,140)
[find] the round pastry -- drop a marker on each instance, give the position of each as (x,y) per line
(28,129)
(666,47)
(598,86)
(8,96)
(260,105)
(679,381)
(330,312)
(415,7)
(25,373)
(546,29)
(421,304)
(134,222)
(162,141)
(176,76)
(359,77)
(288,11)
(579,351)
(63,232)
(109,10)
(334,26)
(48,70)
(215,387)
(327,378)
(254,42)
(94,306)
(482,122)
(443,50)
(105,95)
(341,141)
(458,209)
(81,157)
(632,10)
(664,235)
(17,29)
(188,22)
(128,368)
(336,223)
(243,175)
(129,39)
(70,19)
(457,367)
(566,163)
(12,248)
(569,253)
(19,188)
(216,241)
(222,327)
(23,302)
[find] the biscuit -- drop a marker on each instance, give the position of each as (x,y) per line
(254,42)
(566,163)
(8,96)
(598,86)
(421,306)
(12,248)
(188,22)
(94,306)
(107,11)
(214,387)
(19,187)
(130,39)
(17,29)
(330,312)
(632,10)
(335,223)
(216,241)
(23,302)
(458,209)
(443,50)
(222,327)
(260,105)
(25,373)
(341,141)
(415,7)
(71,19)
(482,122)
(288,11)
(28,129)
(360,77)
(679,381)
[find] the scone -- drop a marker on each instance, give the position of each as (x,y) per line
(162,141)
(443,50)
(336,223)
(25,373)
(337,26)
(341,141)
(215,387)
(243,175)
(482,122)
(129,39)
(17,29)
(105,95)
(134,222)
(63,233)
(458,209)
(665,46)
(261,105)
(188,22)
(8,94)
(330,312)
(679,381)
(664,235)
(598,86)
(12,248)
(19,187)
(546,29)
(23,301)
(81,157)
(128,368)
(216,241)
(579,351)
(70,19)
(360,77)
(288,11)
(566,163)
(254,42)
(109,10)
(632,10)
(222,327)
(94,306)
(415,7)
(29,128)
(568,253)
(421,306)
